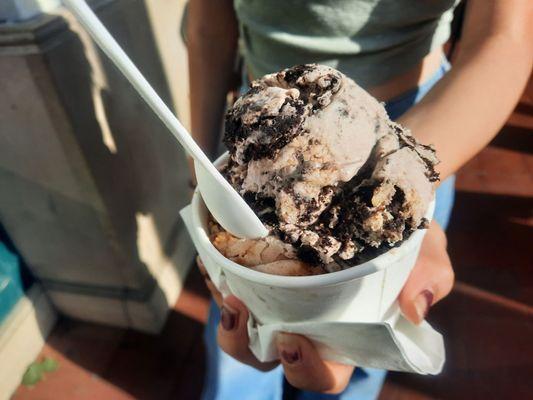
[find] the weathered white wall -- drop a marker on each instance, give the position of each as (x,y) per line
(20,10)
(165,18)
(94,180)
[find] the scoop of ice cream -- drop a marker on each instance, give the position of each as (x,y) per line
(299,133)
(323,166)
(269,254)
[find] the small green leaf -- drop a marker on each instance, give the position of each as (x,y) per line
(49,364)
(33,374)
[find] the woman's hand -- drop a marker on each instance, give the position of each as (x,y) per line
(430,281)
(431,278)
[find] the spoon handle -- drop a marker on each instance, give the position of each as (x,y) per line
(111,48)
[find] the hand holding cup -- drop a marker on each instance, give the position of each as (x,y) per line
(430,280)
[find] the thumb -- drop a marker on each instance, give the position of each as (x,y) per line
(232,334)
(304,368)
(431,278)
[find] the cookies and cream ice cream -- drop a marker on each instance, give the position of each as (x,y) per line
(322,165)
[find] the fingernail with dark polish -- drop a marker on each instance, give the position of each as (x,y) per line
(422,303)
(228,319)
(290,357)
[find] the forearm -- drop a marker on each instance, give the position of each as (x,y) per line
(212,44)
(471,103)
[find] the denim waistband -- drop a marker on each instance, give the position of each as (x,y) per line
(400,104)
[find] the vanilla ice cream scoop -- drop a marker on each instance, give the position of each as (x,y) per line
(323,166)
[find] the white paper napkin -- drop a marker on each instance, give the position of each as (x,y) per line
(395,346)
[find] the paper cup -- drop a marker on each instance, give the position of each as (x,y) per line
(367,291)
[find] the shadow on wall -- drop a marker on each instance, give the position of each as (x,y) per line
(136,165)
(96,181)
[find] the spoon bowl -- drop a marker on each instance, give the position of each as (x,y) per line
(233,214)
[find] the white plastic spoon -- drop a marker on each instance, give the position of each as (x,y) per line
(226,205)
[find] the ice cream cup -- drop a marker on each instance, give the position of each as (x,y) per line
(365,293)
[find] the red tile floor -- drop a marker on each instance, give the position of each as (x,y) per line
(487,320)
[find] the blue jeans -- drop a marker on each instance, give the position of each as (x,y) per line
(228,379)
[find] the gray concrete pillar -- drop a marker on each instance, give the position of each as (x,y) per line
(20,10)
(91,182)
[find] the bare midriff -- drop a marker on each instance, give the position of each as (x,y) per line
(410,79)
(406,81)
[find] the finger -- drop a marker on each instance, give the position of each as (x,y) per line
(431,278)
(304,369)
(217,296)
(201,267)
(232,334)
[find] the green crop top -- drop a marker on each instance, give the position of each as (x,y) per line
(369,40)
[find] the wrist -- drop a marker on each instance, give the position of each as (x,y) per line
(437,235)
